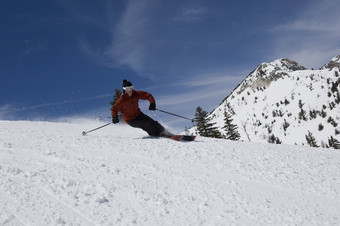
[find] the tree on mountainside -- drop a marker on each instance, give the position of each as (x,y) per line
(335,86)
(230,128)
(333,143)
(302,113)
(285,125)
(274,140)
(311,140)
(204,125)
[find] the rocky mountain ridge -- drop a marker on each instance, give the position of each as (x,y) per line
(284,102)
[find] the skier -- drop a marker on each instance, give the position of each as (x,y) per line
(127,104)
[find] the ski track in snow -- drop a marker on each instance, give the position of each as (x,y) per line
(52,175)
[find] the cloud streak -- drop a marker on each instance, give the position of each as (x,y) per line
(201,91)
(210,80)
(133,36)
(311,38)
(32,49)
(189,97)
(8,109)
(192,14)
(143,38)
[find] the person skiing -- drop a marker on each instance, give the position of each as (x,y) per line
(127,104)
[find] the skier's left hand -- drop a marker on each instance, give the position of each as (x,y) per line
(152,107)
(115,119)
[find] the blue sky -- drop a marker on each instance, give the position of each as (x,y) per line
(64,58)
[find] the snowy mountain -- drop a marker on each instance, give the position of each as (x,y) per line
(52,175)
(334,63)
(283,102)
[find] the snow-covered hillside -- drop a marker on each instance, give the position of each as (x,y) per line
(52,175)
(285,101)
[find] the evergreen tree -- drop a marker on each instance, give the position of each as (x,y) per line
(118,93)
(230,109)
(323,114)
(311,139)
(337,98)
(302,113)
(285,125)
(286,102)
(313,114)
(301,104)
(334,87)
(116,96)
(274,140)
(333,143)
(200,119)
(230,128)
(204,125)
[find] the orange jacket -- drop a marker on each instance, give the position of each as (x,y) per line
(128,106)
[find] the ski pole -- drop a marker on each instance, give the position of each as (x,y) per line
(175,115)
(84,133)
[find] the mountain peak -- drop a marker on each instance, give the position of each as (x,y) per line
(265,73)
(278,66)
(288,65)
(335,62)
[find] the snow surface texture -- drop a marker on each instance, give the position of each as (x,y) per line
(270,96)
(52,175)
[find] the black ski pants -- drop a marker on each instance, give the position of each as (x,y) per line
(144,122)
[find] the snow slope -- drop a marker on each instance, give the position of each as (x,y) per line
(52,175)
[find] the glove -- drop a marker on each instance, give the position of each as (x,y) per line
(152,107)
(115,119)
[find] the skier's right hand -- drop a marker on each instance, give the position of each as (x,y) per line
(115,119)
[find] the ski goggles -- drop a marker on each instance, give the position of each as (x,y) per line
(128,88)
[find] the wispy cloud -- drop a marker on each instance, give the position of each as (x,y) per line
(317,16)
(144,41)
(205,90)
(192,14)
(192,96)
(185,103)
(32,49)
(8,109)
(132,36)
(210,79)
(312,37)
(304,25)
(201,90)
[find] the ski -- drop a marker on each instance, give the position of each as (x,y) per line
(180,137)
